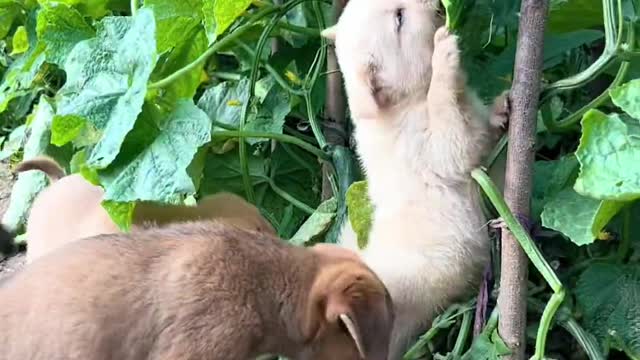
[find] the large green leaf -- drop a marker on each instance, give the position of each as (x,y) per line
(93,8)
(551,177)
(609,295)
(107,80)
(180,56)
(608,153)
(59,29)
(30,183)
(8,13)
(317,224)
(175,21)
(153,165)
(571,15)
(292,170)
(579,217)
(627,97)
(227,11)
(360,211)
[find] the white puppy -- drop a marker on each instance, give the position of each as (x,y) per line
(419,131)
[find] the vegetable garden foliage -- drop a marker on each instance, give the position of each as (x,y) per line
(169,100)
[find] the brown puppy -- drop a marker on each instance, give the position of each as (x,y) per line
(70,209)
(191,291)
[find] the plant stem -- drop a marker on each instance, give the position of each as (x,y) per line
(599,65)
(463,335)
(295,202)
(134,7)
(299,29)
(545,322)
(534,254)
(625,242)
(570,121)
(278,137)
(524,97)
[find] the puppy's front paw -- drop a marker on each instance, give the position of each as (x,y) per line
(446,54)
(501,112)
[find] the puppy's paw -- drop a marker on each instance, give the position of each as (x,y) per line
(501,112)
(446,53)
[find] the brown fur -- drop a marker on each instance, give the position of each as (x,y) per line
(70,208)
(192,291)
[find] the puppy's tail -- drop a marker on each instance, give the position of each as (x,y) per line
(45,164)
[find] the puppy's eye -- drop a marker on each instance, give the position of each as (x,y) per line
(399,16)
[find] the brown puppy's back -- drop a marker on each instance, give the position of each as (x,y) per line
(189,291)
(164,285)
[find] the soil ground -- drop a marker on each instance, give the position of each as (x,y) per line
(10,265)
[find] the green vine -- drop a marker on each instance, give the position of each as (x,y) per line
(534,254)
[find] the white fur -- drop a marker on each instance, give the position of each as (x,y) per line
(418,141)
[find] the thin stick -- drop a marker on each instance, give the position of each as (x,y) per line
(518,178)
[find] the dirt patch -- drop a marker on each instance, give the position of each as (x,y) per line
(10,265)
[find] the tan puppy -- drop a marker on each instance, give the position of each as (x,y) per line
(420,131)
(194,291)
(71,209)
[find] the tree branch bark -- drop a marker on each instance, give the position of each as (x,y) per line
(335,123)
(519,170)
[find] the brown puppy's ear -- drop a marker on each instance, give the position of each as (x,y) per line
(351,297)
(330,33)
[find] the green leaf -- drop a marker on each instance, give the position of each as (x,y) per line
(223,103)
(94,8)
(66,128)
(608,153)
(360,211)
(59,29)
(120,213)
(14,143)
(551,177)
(78,164)
(107,80)
(627,97)
(317,224)
(486,347)
(20,41)
(209,19)
(571,15)
(175,20)
(180,56)
(293,170)
(609,296)
(456,11)
(578,217)
(153,165)
(227,11)
(270,114)
(8,13)
(23,72)
(30,183)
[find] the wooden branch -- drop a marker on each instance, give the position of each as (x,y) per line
(519,171)
(335,123)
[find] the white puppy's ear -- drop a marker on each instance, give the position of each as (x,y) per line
(330,33)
